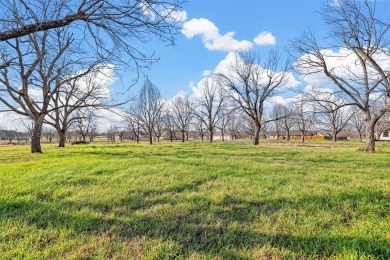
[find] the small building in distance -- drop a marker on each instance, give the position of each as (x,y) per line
(385,135)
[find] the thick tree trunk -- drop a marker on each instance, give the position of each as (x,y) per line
(334,135)
(36,135)
(370,137)
(256,136)
(62,137)
(150,139)
(302,138)
(183,137)
(288,136)
(223,136)
(211,137)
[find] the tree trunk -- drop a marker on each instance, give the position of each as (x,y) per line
(302,138)
(183,137)
(288,135)
(211,136)
(334,135)
(256,136)
(150,139)
(62,137)
(223,137)
(370,137)
(83,138)
(36,135)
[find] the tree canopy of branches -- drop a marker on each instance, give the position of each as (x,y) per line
(109,28)
(149,108)
(250,83)
(305,117)
(183,110)
(288,119)
(331,110)
(84,91)
(211,104)
(363,37)
(28,84)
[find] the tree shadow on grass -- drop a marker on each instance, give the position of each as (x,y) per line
(205,227)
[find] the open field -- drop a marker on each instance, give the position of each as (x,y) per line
(195,200)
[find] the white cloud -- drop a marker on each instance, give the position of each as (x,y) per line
(278,100)
(265,38)
(12,121)
(211,36)
(342,62)
(206,73)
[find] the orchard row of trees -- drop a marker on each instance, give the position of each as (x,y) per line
(214,110)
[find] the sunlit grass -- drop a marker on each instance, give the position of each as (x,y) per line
(194,200)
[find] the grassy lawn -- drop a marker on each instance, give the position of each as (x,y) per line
(195,200)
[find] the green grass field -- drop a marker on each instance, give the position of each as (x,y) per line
(195,201)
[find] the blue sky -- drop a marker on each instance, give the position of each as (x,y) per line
(184,63)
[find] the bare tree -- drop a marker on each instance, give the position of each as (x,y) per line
(183,109)
(40,61)
(84,123)
(277,116)
(200,127)
(357,122)
(234,125)
(112,133)
(288,119)
(159,127)
(149,107)
(331,110)
(305,118)
(211,104)
(363,36)
(250,83)
(223,124)
(109,28)
(170,125)
(36,36)
(133,124)
(85,90)
(93,132)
